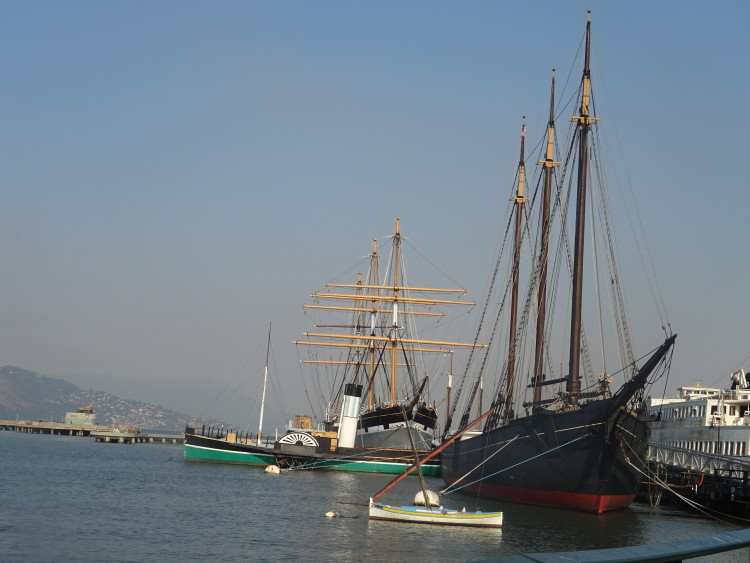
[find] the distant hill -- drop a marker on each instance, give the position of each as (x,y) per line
(26,395)
(205,399)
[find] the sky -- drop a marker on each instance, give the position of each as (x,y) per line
(175,176)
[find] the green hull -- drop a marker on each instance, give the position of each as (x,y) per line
(354,465)
(367,467)
(212,455)
(214,450)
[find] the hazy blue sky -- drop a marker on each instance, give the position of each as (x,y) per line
(176,175)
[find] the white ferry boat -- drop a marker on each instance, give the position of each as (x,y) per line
(704,419)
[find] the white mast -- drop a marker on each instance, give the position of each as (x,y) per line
(265,380)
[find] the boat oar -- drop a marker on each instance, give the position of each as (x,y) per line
(430,455)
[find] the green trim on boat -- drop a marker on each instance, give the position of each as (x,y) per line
(367,467)
(195,453)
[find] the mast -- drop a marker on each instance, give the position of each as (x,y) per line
(373,317)
(359,328)
(394,327)
(265,380)
(392,301)
(573,384)
(519,200)
(450,386)
(549,165)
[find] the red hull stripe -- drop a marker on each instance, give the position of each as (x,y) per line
(559,499)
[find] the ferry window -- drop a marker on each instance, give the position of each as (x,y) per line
(732,411)
(713,409)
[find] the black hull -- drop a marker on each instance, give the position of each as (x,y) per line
(582,458)
(218,450)
(576,460)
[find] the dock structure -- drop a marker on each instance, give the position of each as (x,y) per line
(698,461)
(138,438)
(719,482)
(102,433)
(56,428)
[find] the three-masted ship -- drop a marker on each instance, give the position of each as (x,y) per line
(378,409)
(376,355)
(565,439)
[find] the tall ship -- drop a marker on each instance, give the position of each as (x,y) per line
(559,433)
(710,420)
(368,364)
(370,338)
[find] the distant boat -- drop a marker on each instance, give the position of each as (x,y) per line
(571,443)
(705,419)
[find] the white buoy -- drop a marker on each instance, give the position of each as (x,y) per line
(273,469)
(331,514)
(432,499)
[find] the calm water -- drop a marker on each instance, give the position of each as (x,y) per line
(72,499)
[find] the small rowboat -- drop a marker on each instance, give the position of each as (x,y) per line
(436,515)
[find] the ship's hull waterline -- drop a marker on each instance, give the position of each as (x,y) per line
(578,460)
(199,448)
(215,450)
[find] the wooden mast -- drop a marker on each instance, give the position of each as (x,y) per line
(373,317)
(393,299)
(519,200)
(394,328)
(358,326)
(573,384)
(549,164)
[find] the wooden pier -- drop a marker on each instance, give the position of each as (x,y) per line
(102,433)
(56,428)
(138,438)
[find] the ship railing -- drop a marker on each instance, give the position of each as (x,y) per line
(694,460)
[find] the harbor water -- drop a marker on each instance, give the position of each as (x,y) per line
(73,499)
